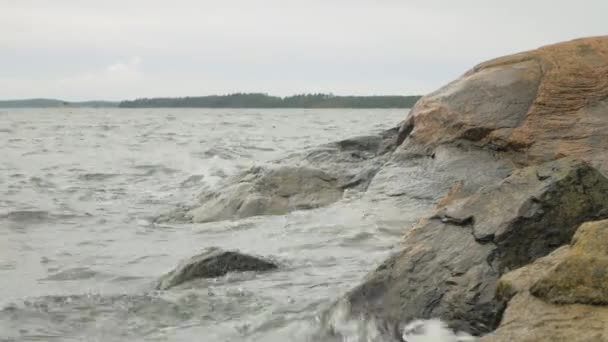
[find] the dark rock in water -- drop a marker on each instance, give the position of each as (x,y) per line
(212,263)
(449,267)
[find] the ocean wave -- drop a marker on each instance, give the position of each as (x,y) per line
(125,317)
(219,152)
(5,265)
(339,325)
(31,153)
(97,176)
(154,169)
(42,183)
(357,239)
(76,273)
(192,181)
(26,215)
(37,216)
(107,127)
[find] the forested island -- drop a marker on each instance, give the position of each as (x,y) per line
(237,100)
(53,103)
(259,100)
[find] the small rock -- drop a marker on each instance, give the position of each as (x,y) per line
(211,263)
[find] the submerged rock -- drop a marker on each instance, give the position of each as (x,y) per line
(451,262)
(212,263)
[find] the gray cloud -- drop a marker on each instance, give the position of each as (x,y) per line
(124,49)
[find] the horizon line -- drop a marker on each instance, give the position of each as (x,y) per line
(194,96)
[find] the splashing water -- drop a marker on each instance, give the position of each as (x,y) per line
(433,330)
(342,326)
(78,250)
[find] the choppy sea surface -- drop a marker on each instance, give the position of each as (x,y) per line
(79,253)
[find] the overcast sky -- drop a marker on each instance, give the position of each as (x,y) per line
(120,49)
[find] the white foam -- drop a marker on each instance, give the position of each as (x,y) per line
(433,330)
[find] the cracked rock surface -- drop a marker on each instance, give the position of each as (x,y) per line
(451,262)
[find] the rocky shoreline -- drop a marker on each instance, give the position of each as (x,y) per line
(506,179)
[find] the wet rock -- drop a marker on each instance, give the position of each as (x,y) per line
(212,263)
(531,319)
(353,162)
(268,191)
(450,263)
(536,106)
(306,180)
(582,275)
(530,109)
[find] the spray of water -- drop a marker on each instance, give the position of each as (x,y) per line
(433,330)
(345,327)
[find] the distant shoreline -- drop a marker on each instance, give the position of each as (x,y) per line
(238,100)
(53,103)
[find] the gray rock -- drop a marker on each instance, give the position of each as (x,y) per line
(306,180)
(353,162)
(212,263)
(450,263)
(268,191)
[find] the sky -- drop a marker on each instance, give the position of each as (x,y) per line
(125,49)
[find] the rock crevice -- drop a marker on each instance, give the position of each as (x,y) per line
(449,266)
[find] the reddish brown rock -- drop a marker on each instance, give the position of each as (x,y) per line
(538,105)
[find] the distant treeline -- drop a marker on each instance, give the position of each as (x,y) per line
(258,100)
(52,103)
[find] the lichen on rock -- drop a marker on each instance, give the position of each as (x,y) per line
(528,318)
(582,276)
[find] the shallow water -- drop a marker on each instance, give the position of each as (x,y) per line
(79,254)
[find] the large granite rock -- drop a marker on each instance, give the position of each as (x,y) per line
(536,106)
(450,263)
(212,263)
(536,110)
(535,294)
